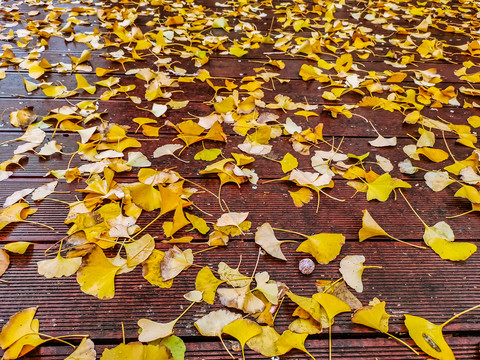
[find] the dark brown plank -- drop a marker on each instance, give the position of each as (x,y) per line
(376,348)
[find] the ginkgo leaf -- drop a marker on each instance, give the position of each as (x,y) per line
(268,288)
(290,340)
(232,276)
(265,237)
(381,187)
(437,181)
(208,154)
(167,149)
(242,330)
(83,84)
(176,346)
(198,223)
(324,247)
(43,191)
(213,323)
(373,316)
(151,330)
(136,351)
(454,251)
(289,162)
(310,305)
(351,268)
(152,270)
(232,219)
(305,326)
(97,275)
(18,247)
(332,305)
(370,227)
(380,141)
(175,261)
(435,155)
(428,337)
(139,250)
(84,351)
(16,196)
(265,342)
(301,197)
(59,266)
(207,283)
(137,159)
(4,262)
(18,326)
(23,118)
(439,230)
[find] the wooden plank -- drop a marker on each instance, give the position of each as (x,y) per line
(376,348)
(230,67)
(36,166)
(298,90)
(435,290)
(271,203)
(122,111)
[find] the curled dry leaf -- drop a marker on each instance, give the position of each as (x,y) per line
(4,262)
(84,351)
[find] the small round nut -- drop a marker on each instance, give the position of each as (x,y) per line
(306,266)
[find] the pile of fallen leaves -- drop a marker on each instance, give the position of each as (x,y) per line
(160,58)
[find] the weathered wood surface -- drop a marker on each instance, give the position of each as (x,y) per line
(411,281)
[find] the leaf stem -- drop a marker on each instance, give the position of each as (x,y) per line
(411,207)
(200,251)
(407,243)
(37,223)
(460,314)
(402,342)
(225,346)
(291,232)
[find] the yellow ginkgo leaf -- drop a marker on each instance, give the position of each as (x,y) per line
(18,247)
(289,162)
(232,276)
(435,155)
(207,283)
(301,197)
(175,261)
(137,351)
(382,186)
(97,275)
(470,193)
(152,270)
(265,237)
(83,84)
(268,288)
(23,118)
(324,247)
(84,351)
(139,250)
(373,316)
(428,337)
(332,305)
(454,251)
(59,266)
(242,330)
(265,342)
(370,227)
(208,154)
(198,223)
(310,305)
(305,326)
(290,340)
(19,325)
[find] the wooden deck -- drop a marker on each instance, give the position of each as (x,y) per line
(411,281)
